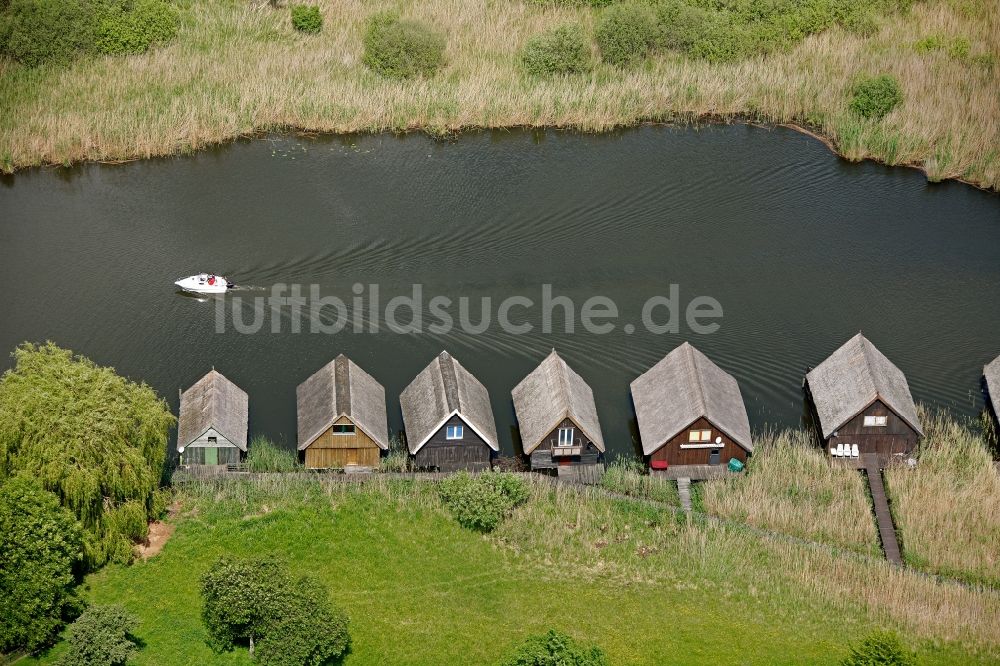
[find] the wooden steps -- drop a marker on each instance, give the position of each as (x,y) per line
(883,516)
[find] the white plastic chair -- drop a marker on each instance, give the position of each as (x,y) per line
(854,451)
(840,450)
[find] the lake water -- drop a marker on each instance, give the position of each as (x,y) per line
(800,249)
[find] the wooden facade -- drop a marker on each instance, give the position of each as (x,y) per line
(441,454)
(549,455)
(338,448)
(680,450)
(212,425)
(895,438)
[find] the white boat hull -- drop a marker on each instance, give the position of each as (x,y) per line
(204,284)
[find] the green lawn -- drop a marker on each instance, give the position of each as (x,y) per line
(650,590)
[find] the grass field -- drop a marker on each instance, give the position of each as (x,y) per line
(790,487)
(648,588)
(948,508)
(237,68)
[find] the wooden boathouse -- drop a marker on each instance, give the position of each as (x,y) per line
(690,413)
(448,418)
(341,417)
(212,426)
(557,419)
(859,398)
(991,387)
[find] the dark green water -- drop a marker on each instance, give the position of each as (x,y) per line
(800,249)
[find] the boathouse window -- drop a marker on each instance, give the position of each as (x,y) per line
(700,436)
(343,429)
(565,436)
(455,432)
(213,440)
(876,421)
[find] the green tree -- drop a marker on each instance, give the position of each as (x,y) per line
(42,31)
(562,50)
(626,33)
(880,648)
(101,636)
(95,439)
(286,621)
(555,649)
(40,545)
(482,502)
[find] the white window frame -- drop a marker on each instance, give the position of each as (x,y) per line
(699,435)
(342,433)
(454,432)
(876,421)
(566,436)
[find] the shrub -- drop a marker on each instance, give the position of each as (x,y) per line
(880,648)
(40,542)
(402,49)
(132,26)
(874,97)
(562,50)
(307,19)
(256,600)
(41,31)
(263,455)
(626,33)
(555,649)
(680,25)
(482,502)
(95,439)
(101,636)
(959,48)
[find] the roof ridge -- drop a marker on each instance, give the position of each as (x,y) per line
(449,381)
(866,351)
(696,369)
(563,380)
(343,398)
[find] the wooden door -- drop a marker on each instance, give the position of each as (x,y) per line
(211,455)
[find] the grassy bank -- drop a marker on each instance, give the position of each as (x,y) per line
(422,590)
(948,508)
(237,67)
(791,487)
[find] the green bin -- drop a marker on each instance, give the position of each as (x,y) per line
(735,465)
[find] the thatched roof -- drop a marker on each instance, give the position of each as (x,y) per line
(992,373)
(551,393)
(682,388)
(213,402)
(442,389)
(341,388)
(851,379)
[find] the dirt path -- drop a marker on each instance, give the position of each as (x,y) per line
(159,534)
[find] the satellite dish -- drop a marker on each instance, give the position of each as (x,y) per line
(718,440)
(180,450)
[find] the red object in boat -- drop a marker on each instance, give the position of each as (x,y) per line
(211,280)
(658,464)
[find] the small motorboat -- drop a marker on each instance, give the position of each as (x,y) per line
(205,283)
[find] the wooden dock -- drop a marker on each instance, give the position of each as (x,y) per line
(880,502)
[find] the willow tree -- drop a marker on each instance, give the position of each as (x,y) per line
(95,439)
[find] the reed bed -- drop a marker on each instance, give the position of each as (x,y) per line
(948,507)
(791,487)
(238,68)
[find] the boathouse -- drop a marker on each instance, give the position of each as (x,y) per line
(341,417)
(690,413)
(448,418)
(991,385)
(212,427)
(860,398)
(557,418)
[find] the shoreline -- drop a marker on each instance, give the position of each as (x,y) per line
(680,121)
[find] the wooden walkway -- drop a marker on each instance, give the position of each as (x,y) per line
(684,492)
(886,530)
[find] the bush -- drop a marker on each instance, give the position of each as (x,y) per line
(307,19)
(95,439)
(132,26)
(482,502)
(626,33)
(562,50)
(257,600)
(880,648)
(680,25)
(555,649)
(263,455)
(402,49)
(42,31)
(102,636)
(40,543)
(874,97)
